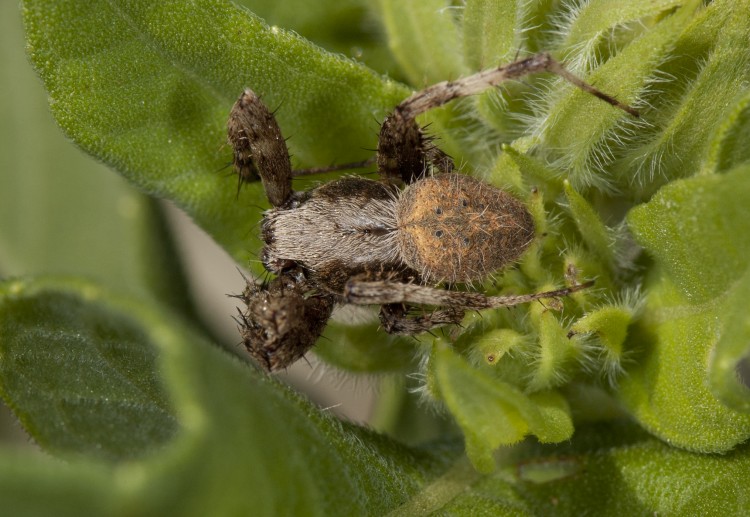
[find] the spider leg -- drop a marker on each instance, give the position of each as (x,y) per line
(446,91)
(403,150)
(398,318)
(260,151)
(282,319)
(380,293)
(334,168)
(405,153)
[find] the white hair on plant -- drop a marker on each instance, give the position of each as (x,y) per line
(600,359)
(626,249)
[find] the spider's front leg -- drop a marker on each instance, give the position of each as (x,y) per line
(283,320)
(403,150)
(405,153)
(260,151)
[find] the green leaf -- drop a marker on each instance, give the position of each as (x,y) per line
(729,146)
(695,230)
(491,412)
(60,211)
(667,389)
(605,469)
(609,324)
(147,88)
(516,170)
(593,20)
(692,228)
(489,32)
(582,131)
(424,39)
(597,237)
(649,477)
(728,367)
(240,431)
(79,380)
(708,78)
(556,352)
(32,484)
(344,26)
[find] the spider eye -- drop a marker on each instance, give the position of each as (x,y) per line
(438,210)
(464,202)
(438,233)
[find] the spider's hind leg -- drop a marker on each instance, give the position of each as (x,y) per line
(385,292)
(399,318)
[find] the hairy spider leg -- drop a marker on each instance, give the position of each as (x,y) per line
(389,294)
(403,150)
(259,148)
(446,91)
(283,319)
(399,318)
(405,153)
(334,168)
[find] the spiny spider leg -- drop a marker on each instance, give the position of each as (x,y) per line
(403,150)
(446,91)
(283,319)
(401,319)
(383,292)
(334,168)
(259,149)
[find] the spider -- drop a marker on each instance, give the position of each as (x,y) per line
(392,242)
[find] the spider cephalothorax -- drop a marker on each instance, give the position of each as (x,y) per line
(390,242)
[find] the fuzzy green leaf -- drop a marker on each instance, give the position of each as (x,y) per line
(79,379)
(580,127)
(491,412)
(147,88)
(609,324)
(709,72)
(693,229)
(651,477)
(489,32)
(344,26)
(556,351)
(60,211)
(667,389)
(595,234)
(243,438)
(518,171)
(603,470)
(424,39)
(593,20)
(729,146)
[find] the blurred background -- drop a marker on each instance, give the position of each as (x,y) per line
(63,213)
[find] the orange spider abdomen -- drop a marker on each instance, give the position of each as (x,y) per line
(454,228)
